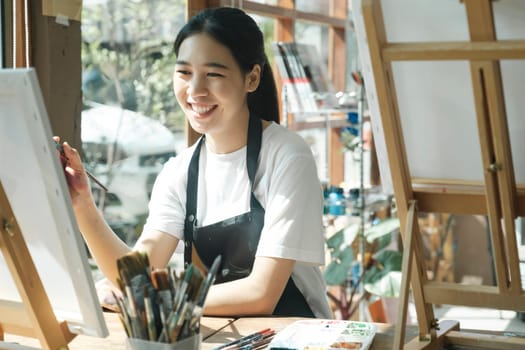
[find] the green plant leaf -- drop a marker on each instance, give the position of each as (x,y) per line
(387,286)
(335,241)
(382,278)
(390,259)
(336,273)
(385,227)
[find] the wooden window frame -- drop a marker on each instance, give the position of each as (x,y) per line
(57,58)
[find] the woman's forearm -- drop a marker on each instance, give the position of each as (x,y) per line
(237,298)
(105,246)
(257,294)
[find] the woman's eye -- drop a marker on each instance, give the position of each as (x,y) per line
(183,72)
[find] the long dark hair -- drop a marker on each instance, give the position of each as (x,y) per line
(237,31)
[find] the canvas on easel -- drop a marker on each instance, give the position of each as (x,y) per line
(46,288)
(443,82)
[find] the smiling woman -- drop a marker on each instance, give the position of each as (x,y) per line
(225,85)
(247,191)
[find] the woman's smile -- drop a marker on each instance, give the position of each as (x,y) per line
(202,110)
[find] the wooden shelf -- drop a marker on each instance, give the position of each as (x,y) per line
(329,118)
(319,122)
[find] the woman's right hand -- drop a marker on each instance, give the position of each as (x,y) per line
(76,177)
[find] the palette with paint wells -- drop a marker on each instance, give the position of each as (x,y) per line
(324,334)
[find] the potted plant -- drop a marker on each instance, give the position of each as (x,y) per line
(381,274)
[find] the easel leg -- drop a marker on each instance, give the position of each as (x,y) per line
(42,319)
(405,281)
(435,339)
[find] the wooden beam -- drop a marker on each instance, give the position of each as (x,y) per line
(283,31)
(195,6)
(504,169)
(386,98)
(457,203)
(336,157)
(397,158)
(477,340)
(496,150)
(459,200)
(457,197)
(21,35)
(491,50)
(338,21)
(491,189)
(284,26)
(192,8)
(7,33)
(408,260)
(57,59)
(337,74)
(473,295)
(36,304)
(426,343)
(337,51)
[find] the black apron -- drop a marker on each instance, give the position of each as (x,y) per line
(235,239)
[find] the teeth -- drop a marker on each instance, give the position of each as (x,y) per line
(201,109)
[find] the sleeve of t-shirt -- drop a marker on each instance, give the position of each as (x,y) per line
(168,198)
(293,226)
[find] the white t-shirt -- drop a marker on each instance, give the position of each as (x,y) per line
(286,185)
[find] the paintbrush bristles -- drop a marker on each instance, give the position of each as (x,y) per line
(135,262)
(158,305)
(160,279)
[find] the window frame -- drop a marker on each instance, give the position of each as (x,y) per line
(66,119)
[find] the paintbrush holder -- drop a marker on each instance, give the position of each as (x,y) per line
(190,343)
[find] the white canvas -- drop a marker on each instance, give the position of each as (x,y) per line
(35,185)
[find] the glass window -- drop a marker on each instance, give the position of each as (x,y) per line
(266,2)
(320,6)
(131,123)
(316,35)
(352,57)
(267,27)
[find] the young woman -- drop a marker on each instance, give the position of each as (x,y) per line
(247,190)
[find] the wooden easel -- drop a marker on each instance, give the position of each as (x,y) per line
(34,317)
(498,197)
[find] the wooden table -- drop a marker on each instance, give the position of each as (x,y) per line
(244,326)
(247,325)
(215,331)
(117,336)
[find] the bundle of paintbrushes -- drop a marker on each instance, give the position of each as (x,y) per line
(254,341)
(158,305)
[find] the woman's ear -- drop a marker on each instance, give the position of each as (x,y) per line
(253,78)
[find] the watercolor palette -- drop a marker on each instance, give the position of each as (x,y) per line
(321,334)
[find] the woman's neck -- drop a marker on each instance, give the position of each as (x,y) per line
(228,141)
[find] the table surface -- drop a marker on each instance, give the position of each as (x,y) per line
(215,331)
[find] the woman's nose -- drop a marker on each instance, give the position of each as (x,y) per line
(197,86)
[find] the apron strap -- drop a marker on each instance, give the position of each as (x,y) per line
(253,148)
(191,203)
